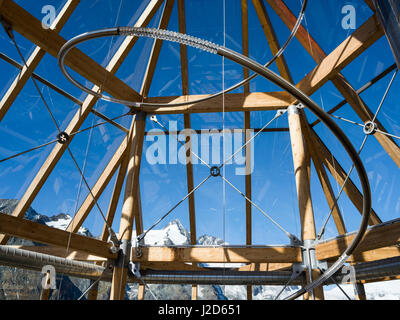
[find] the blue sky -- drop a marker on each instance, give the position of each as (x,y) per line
(220,210)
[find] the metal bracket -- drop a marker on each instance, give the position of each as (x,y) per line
(109,266)
(295,242)
(281,112)
(370,128)
(295,108)
(309,256)
(298,268)
(124,254)
(115,243)
(63,138)
(139,243)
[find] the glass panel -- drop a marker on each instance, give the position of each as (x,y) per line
(219,179)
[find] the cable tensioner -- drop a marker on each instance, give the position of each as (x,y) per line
(215,171)
(63,138)
(370,128)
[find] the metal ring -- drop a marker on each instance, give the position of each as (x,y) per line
(121,31)
(370,128)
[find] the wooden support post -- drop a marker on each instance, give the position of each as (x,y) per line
(34,60)
(323,178)
(187,124)
(299,150)
(201,254)
(45,293)
(135,145)
(26,229)
(300,168)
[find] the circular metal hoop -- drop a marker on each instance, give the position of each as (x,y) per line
(285,85)
(118,32)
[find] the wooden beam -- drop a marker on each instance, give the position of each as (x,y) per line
(301,174)
(183,48)
(346,52)
(218,255)
(77,121)
(25,229)
(245,41)
(255,101)
(187,124)
(324,179)
(98,188)
(130,206)
(247,126)
(155,52)
(266,267)
(51,42)
(34,60)
(302,34)
(247,123)
(379,236)
(376,254)
(132,179)
(301,162)
(370,5)
(365,114)
(271,38)
(115,197)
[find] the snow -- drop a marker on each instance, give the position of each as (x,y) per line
(387,290)
(62,223)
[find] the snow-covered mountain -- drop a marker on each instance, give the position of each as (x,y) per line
(175,234)
(59,221)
